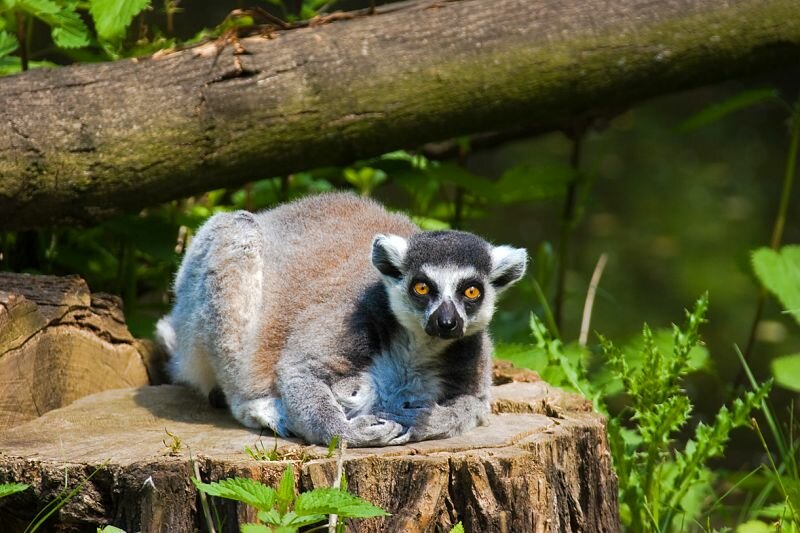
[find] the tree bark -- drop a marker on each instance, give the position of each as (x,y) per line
(83,142)
(541,465)
(59,343)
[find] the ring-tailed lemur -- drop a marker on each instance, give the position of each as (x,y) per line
(285,313)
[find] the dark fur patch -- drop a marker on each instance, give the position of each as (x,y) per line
(216,398)
(448,248)
(512,273)
(382,261)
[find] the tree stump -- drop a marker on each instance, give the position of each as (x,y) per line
(540,465)
(59,343)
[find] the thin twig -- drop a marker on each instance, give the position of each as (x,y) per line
(590,294)
(337,483)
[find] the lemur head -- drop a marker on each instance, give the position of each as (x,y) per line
(445,283)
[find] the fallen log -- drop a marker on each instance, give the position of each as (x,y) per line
(543,467)
(81,143)
(58,343)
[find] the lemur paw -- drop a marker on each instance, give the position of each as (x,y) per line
(406,416)
(260,413)
(369,430)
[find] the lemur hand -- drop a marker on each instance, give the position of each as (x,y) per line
(369,430)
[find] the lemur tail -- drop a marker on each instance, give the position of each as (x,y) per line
(165,335)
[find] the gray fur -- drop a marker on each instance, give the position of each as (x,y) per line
(285,313)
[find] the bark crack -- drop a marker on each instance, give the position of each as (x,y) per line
(29,144)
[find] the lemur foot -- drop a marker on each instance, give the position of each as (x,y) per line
(260,413)
(369,430)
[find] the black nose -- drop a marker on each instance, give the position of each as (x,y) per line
(447,323)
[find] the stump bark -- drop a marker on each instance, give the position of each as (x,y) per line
(58,343)
(541,464)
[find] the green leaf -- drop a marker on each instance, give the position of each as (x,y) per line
(717,111)
(242,490)
(8,43)
(335,501)
(755,526)
(7,489)
(69,31)
(112,17)
(458,175)
(786,370)
(458,528)
(307,520)
(271,517)
(527,183)
(255,528)
(110,529)
(67,28)
(286,490)
(779,272)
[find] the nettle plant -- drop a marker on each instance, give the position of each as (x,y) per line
(282,511)
(663,486)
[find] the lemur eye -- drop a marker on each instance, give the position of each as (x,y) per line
(422,288)
(473,293)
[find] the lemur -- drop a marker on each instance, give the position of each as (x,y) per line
(330,316)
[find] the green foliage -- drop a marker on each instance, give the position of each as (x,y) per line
(281,510)
(7,489)
(260,453)
(662,484)
(458,528)
(112,17)
(786,370)
(779,272)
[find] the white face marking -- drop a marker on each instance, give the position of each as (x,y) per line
(447,279)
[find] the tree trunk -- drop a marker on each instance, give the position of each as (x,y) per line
(542,464)
(59,343)
(79,143)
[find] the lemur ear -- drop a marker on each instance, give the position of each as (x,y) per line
(508,265)
(388,254)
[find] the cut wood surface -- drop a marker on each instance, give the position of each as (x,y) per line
(83,142)
(544,466)
(59,343)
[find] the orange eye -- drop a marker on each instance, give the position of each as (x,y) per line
(473,293)
(422,289)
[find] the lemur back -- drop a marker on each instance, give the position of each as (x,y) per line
(301,316)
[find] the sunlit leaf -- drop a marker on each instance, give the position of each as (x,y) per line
(255,528)
(286,490)
(779,272)
(8,43)
(7,489)
(112,17)
(67,28)
(242,490)
(755,526)
(786,371)
(335,501)
(69,31)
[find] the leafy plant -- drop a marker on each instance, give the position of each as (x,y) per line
(779,272)
(259,452)
(662,484)
(281,511)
